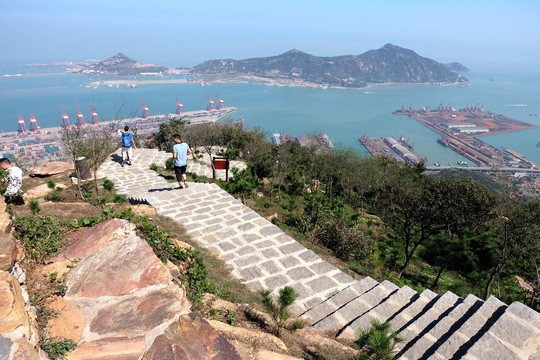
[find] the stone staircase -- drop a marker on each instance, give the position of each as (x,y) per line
(262,256)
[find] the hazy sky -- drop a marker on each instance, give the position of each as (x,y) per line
(483,34)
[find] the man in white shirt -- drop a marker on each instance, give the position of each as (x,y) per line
(12,182)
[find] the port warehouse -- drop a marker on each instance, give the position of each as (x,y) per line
(405,153)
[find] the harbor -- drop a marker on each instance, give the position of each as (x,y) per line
(42,143)
(460,131)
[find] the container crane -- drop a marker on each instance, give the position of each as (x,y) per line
(33,123)
(220,103)
(179,107)
(209,103)
(145,110)
(65,118)
(93,114)
(22,125)
(80,117)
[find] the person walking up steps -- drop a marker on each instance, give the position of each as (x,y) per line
(127,145)
(180,152)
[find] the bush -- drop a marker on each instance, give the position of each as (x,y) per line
(153,167)
(378,342)
(56,348)
(42,236)
(108,185)
(169,164)
(280,312)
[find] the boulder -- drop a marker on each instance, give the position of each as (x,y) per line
(50,168)
(145,210)
(68,323)
(191,338)
(40,191)
(253,336)
(9,251)
(18,336)
(5,218)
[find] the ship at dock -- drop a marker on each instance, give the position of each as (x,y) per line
(398,149)
(279,138)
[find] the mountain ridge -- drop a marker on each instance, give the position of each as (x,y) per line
(390,63)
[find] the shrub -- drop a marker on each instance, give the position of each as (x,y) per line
(51,184)
(108,184)
(42,236)
(280,313)
(153,167)
(378,342)
(169,164)
(34,206)
(56,347)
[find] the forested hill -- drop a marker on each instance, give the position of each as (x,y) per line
(388,64)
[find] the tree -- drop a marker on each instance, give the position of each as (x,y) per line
(518,229)
(419,207)
(97,145)
(71,144)
(163,138)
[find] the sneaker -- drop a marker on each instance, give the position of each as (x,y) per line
(180,187)
(129,163)
(122,164)
(186,184)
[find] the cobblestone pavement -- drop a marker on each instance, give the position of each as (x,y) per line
(258,253)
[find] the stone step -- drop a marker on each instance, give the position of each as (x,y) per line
(355,308)
(416,336)
(449,325)
(383,312)
(333,303)
(417,305)
(459,342)
(515,335)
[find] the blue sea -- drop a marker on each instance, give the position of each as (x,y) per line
(343,114)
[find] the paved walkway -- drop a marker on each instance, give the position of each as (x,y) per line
(262,256)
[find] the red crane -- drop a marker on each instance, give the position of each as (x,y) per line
(145,110)
(65,118)
(93,114)
(209,103)
(179,107)
(220,102)
(80,117)
(33,123)
(22,125)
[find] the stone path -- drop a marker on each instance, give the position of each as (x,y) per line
(262,256)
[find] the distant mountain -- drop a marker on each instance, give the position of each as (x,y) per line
(457,67)
(120,64)
(388,64)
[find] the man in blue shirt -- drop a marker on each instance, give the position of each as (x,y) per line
(180,152)
(127,145)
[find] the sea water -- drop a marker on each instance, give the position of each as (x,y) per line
(343,114)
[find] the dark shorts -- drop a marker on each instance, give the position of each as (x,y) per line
(178,171)
(14,199)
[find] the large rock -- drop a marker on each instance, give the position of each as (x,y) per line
(12,311)
(69,321)
(191,338)
(50,168)
(120,296)
(117,348)
(40,191)
(117,268)
(5,218)
(9,251)
(18,339)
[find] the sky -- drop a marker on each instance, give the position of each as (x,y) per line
(480,34)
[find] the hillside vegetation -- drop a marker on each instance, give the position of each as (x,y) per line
(380,218)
